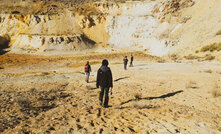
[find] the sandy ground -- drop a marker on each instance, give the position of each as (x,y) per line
(40,94)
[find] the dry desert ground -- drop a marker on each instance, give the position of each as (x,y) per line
(48,94)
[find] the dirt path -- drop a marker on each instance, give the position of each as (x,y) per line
(151,97)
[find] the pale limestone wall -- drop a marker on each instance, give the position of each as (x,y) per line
(137,27)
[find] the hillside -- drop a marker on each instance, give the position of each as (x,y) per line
(177,28)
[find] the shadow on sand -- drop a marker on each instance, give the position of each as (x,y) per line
(139,65)
(92,81)
(3,52)
(152,98)
(121,78)
(143,107)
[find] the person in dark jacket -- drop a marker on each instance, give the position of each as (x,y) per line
(105,81)
(131,60)
(125,62)
(87,69)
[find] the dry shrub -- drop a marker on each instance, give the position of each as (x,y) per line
(191,57)
(216,91)
(88,87)
(211,47)
(191,84)
(45,73)
(137,96)
(174,56)
(137,104)
(209,57)
(219,32)
(161,61)
(208,71)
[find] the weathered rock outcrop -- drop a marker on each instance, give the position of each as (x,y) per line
(35,42)
(16,26)
(159,27)
(4,42)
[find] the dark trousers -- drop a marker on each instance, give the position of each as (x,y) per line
(87,76)
(131,63)
(125,66)
(106,91)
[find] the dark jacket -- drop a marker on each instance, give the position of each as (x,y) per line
(131,58)
(125,61)
(104,77)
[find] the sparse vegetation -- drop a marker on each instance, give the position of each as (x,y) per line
(27,104)
(137,104)
(216,91)
(208,71)
(137,96)
(161,61)
(211,48)
(191,57)
(174,56)
(209,57)
(191,84)
(219,32)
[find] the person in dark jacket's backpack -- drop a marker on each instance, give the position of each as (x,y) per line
(105,81)
(87,70)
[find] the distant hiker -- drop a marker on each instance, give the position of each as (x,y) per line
(131,60)
(125,62)
(87,70)
(105,81)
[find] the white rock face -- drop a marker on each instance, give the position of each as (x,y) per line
(137,27)
(159,27)
(131,24)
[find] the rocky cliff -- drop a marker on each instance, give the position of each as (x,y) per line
(158,27)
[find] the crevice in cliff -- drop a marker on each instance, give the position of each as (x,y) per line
(87,40)
(4,44)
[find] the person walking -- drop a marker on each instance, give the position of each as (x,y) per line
(131,60)
(105,81)
(87,70)
(125,62)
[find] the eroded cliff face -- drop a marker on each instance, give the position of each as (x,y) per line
(138,27)
(34,32)
(145,25)
(158,27)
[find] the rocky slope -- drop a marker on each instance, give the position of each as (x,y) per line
(178,28)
